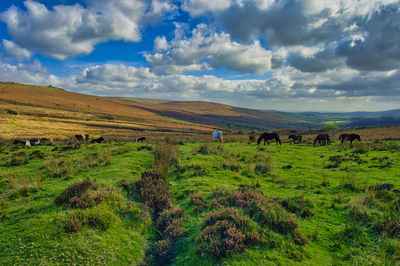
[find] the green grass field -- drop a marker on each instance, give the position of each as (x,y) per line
(332,194)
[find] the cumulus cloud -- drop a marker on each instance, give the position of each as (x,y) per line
(65,31)
(366,33)
(317,91)
(207,49)
(14,52)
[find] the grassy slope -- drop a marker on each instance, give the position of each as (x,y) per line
(33,233)
(33,111)
(230,116)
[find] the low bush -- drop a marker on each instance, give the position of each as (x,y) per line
(154,190)
(145,147)
(37,155)
(358,212)
(99,218)
(76,195)
(298,205)
(226,232)
(264,211)
(208,148)
(391,249)
(262,162)
(21,185)
(3,207)
(16,159)
(94,218)
(197,200)
(56,168)
(74,222)
(391,228)
(165,157)
(169,222)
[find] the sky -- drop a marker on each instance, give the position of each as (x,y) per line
(287,55)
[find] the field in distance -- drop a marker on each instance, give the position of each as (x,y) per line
(233,203)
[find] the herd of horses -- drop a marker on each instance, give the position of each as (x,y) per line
(321,139)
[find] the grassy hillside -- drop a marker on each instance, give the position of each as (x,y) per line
(230,116)
(35,111)
(233,203)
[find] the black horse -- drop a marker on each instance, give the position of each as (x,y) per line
(322,139)
(98,140)
(295,137)
(349,137)
(269,136)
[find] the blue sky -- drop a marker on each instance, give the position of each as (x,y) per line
(311,55)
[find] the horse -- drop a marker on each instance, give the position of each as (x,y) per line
(295,137)
(82,137)
(269,136)
(349,137)
(217,135)
(98,140)
(322,139)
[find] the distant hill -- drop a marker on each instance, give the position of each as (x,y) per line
(27,110)
(350,119)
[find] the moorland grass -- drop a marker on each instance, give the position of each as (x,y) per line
(347,214)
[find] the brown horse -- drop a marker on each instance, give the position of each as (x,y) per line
(295,137)
(322,139)
(269,136)
(349,137)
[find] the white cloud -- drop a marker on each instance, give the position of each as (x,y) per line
(13,51)
(206,48)
(65,31)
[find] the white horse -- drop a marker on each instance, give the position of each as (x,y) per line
(217,135)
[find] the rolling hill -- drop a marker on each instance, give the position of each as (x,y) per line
(32,111)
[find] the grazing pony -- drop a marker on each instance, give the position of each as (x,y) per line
(98,140)
(322,139)
(140,139)
(349,137)
(82,137)
(295,137)
(217,135)
(269,136)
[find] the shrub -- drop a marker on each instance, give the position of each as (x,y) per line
(154,190)
(145,147)
(165,157)
(105,156)
(349,182)
(264,211)
(299,239)
(16,159)
(163,252)
(359,147)
(198,200)
(76,194)
(392,251)
(21,185)
(298,205)
(100,218)
(231,164)
(37,154)
(207,148)
(391,228)
(169,222)
(74,222)
(225,232)
(262,161)
(358,212)
(3,206)
(275,217)
(58,168)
